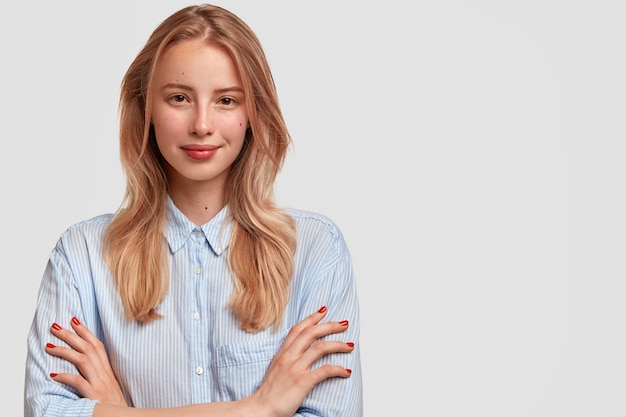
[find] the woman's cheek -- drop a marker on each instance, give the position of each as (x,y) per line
(171,124)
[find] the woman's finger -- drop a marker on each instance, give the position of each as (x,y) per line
(81,353)
(97,379)
(308,332)
(92,340)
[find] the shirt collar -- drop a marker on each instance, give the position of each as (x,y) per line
(178,229)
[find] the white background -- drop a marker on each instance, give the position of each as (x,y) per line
(472,152)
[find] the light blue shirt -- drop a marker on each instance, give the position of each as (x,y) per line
(196,353)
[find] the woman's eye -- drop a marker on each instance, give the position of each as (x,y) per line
(227,101)
(179,98)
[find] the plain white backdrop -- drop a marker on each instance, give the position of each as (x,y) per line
(472,152)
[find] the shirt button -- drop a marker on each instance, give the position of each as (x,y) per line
(199,370)
(196,316)
(198,235)
(197,270)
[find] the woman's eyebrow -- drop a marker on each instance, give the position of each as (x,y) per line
(177,86)
(229,89)
(188,88)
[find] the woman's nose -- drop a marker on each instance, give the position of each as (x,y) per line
(202,123)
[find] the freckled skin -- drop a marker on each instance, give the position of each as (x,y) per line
(204,106)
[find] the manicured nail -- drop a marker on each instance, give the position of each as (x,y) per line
(75,321)
(349,371)
(321,310)
(56,326)
(53,375)
(50,345)
(344,322)
(350,344)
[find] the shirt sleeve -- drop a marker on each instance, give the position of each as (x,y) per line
(336,289)
(57,301)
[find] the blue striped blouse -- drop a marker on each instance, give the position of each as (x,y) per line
(196,353)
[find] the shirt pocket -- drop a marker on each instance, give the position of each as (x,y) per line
(242,366)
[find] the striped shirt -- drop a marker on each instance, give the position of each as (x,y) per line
(196,353)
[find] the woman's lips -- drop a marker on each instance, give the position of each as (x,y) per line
(199,152)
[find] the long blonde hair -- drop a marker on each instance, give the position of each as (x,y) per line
(263,239)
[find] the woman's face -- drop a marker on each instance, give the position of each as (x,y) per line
(198,112)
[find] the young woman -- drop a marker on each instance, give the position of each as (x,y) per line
(199,296)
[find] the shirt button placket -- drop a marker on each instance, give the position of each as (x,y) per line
(199,337)
(196,316)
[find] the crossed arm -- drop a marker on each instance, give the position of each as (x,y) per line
(289,378)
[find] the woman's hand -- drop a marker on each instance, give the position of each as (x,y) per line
(288,381)
(290,378)
(96,380)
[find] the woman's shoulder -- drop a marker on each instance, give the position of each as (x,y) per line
(311,219)
(316,228)
(89,228)
(81,240)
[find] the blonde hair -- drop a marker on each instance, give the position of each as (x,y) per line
(263,238)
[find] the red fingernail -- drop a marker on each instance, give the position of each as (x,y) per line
(349,371)
(321,310)
(50,345)
(344,322)
(53,375)
(75,321)
(350,344)
(56,326)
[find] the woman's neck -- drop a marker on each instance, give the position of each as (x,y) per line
(198,204)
